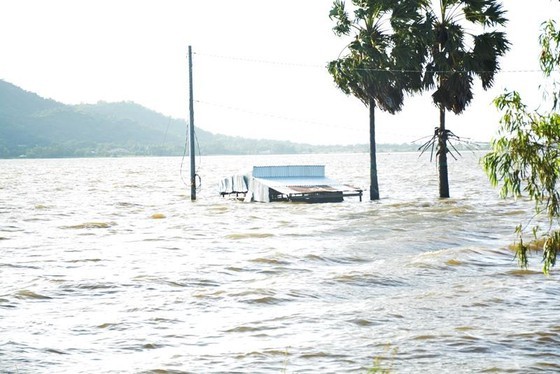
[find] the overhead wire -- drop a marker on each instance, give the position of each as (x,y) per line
(316,65)
(259,61)
(275,116)
(291,64)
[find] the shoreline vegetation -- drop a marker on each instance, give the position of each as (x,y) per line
(139,150)
(35,127)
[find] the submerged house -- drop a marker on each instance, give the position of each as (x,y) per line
(300,183)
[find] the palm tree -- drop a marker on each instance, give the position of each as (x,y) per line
(457,55)
(382,61)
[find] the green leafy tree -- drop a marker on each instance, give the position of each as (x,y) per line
(382,60)
(456,56)
(525,157)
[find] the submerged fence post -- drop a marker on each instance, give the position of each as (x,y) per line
(191,129)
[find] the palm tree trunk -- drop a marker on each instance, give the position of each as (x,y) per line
(442,159)
(374,187)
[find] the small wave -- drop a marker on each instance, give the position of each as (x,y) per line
(164,371)
(26,294)
(523,272)
(125,204)
(95,286)
(10,229)
(218,209)
(337,260)
(513,213)
(110,326)
(464,328)
(322,355)
(5,303)
(271,261)
(249,235)
(426,337)
(551,367)
(209,295)
(459,210)
(315,258)
(361,279)
(475,349)
(244,329)
(268,300)
(457,256)
(443,252)
(540,337)
(35,219)
(151,346)
(17,266)
(234,269)
(453,262)
(85,260)
(57,351)
(301,294)
(411,205)
(90,225)
(362,322)
(264,353)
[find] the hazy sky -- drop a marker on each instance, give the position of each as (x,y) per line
(259,66)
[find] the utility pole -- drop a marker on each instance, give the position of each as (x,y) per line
(191,129)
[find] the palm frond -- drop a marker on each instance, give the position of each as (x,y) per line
(452,64)
(339,14)
(487,13)
(454,92)
(488,47)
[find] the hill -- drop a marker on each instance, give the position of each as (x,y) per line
(32,126)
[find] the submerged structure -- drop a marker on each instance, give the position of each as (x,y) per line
(298,183)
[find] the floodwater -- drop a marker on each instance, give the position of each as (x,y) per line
(108,267)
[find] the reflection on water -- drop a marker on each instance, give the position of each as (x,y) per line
(107,266)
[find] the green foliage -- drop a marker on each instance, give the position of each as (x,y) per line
(550,58)
(453,63)
(550,43)
(383,55)
(388,357)
(525,157)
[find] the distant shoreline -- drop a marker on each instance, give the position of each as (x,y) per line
(382,149)
(37,128)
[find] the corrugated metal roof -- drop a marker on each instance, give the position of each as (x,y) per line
(296,185)
(288,171)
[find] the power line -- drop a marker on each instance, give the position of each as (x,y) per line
(404,138)
(261,61)
(306,65)
(403,71)
(277,117)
